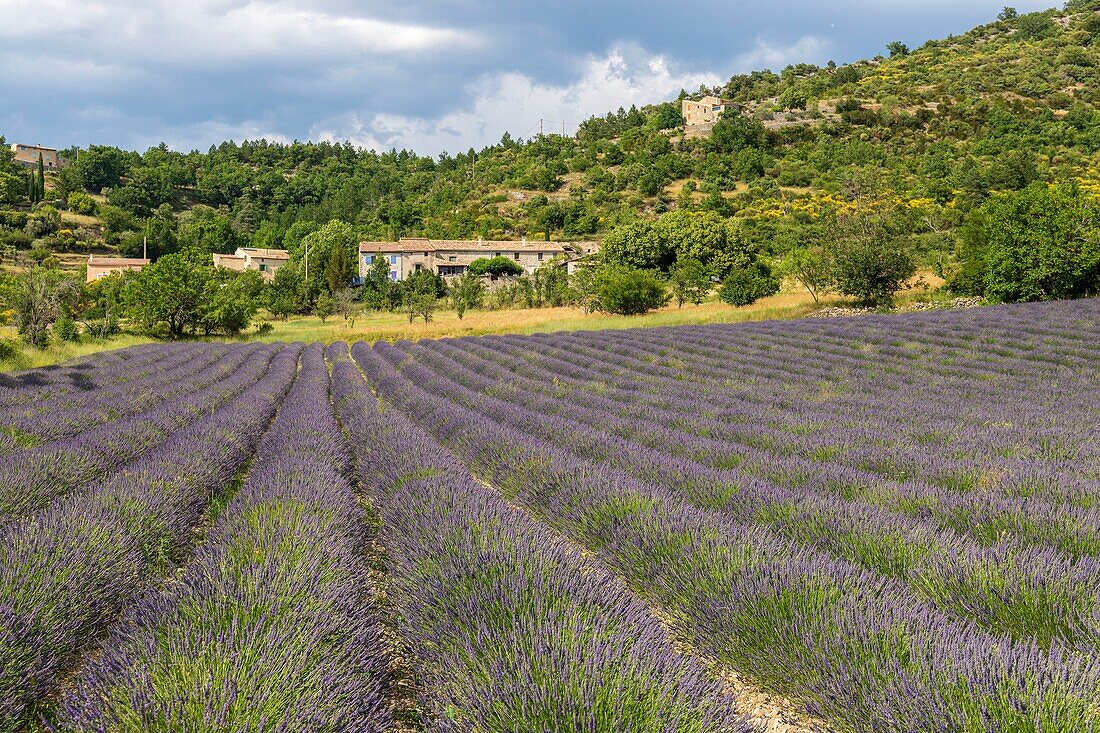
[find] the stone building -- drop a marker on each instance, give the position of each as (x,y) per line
(103,266)
(264,261)
(27,156)
(705,111)
(449,257)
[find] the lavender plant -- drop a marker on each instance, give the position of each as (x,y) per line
(270,627)
(509,626)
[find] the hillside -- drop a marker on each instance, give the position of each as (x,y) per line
(934,130)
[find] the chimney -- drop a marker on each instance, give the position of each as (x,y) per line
(525,239)
(479,241)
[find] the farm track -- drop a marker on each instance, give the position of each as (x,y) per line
(770,712)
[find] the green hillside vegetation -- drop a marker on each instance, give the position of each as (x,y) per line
(840,167)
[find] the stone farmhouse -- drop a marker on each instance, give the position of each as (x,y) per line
(99,267)
(27,156)
(264,261)
(449,257)
(705,111)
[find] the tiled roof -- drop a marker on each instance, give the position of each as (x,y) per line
(405,245)
(267,254)
(487,246)
(116,261)
(229,261)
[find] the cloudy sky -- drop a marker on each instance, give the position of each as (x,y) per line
(424,74)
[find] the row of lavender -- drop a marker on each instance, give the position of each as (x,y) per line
(70,568)
(52,419)
(270,626)
(33,478)
(43,387)
(1042,517)
(776,366)
(91,372)
(507,626)
(1040,593)
(774,579)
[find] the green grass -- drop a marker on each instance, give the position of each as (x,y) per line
(384,326)
(28,357)
(444,324)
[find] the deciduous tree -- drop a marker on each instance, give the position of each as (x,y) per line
(466,291)
(690,281)
(870,260)
(629,291)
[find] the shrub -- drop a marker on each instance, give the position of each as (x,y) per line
(746,285)
(629,291)
(65,328)
(425,281)
(324,307)
(43,222)
(690,281)
(13,219)
(81,203)
(495,266)
(467,291)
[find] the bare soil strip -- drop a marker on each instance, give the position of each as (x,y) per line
(770,712)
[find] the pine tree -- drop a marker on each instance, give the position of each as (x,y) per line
(41,179)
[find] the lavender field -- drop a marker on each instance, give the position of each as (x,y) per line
(882,523)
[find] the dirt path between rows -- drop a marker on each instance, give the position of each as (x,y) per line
(772,713)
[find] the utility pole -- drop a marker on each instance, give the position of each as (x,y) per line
(540,127)
(145,248)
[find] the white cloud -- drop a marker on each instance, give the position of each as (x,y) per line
(627,75)
(767,55)
(93,120)
(198,136)
(209,32)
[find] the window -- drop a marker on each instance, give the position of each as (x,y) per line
(540,256)
(425,254)
(393,274)
(517,255)
(452,258)
(368,259)
(263,268)
(393,259)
